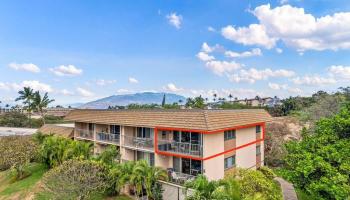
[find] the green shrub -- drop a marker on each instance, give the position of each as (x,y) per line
(320,163)
(268,173)
(75,179)
(254,183)
(14,119)
(16,152)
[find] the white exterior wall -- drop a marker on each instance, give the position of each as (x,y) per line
(246,156)
(213,144)
(163,161)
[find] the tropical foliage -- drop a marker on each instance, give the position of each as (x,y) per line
(55,150)
(245,184)
(320,163)
(40,103)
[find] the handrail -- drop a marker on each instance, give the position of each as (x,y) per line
(108,137)
(180,147)
(138,142)
(84,133)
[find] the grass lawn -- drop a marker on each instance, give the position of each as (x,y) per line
(22,188)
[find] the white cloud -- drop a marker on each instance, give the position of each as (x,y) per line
(208,49)
(255,34)
(204,56)
(84,93)
(295,28)
(4,86)
(133,80)
(295,90)
(103,82)
(175,20)
(172,87)
(340,71)
(69,70)
(30,67)
(279,50)
(276,86)
(221,67)
(253,52)
(304,31)
(211,29)
(66,92)
(314,80)
(251,75)
(34,84)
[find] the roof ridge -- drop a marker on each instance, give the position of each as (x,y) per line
(206,119)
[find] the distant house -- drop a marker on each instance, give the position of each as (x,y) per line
(260,102)
(184,142)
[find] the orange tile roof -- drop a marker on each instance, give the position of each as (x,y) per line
(63,131)
(195,119)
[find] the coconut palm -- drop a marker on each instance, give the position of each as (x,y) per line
(40,103)
(26,95)
(230,96)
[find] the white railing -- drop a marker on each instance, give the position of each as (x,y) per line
(180,147)
(179,178)
(83,133)
(138,142)
(108,137)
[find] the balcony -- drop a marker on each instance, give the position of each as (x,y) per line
(108,138)
(179,178)
(84,134)
(180,148)
(138,142)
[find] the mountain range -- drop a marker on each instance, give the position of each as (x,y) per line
(137,98)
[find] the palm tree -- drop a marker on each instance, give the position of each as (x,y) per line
(230,96)
(40,103)
(150,176)
(26,95)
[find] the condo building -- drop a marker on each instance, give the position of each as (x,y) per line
(185,142)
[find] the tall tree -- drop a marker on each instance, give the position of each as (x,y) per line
(163,101)
(26,95)
(230,96)
(40,103)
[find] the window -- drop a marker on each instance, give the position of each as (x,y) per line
(91,127)
(115,129)
(144,132)
(258,129)
(231,134)
(230,162)
(258,150)
(163,135)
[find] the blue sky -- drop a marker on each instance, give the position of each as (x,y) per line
(83,50)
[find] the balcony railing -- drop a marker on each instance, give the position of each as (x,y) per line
(109,138)
(179,178)
(180,147)
(138,142)
(83,133)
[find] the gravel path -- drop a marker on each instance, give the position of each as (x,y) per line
(287,189)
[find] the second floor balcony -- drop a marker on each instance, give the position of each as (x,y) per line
(139,142)
(108,138)
(186,148)
(84,134)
